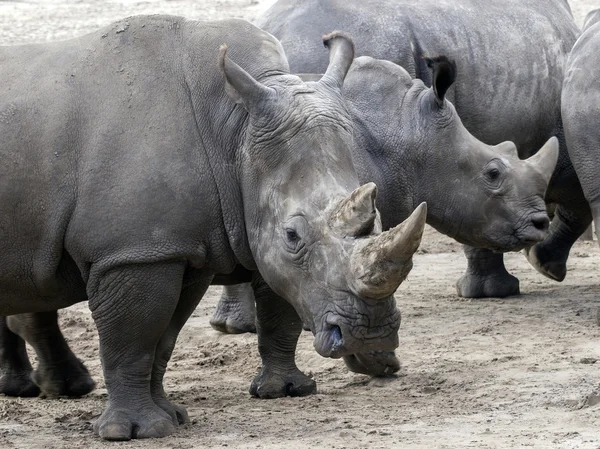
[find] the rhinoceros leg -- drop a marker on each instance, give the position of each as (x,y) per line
(550,256)
(278,327)
(194,288)
(14,364)
(486,276)
(132,306)
(59,371)
(235,313)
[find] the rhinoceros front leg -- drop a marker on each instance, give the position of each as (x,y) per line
(278,327)
(59,371)
(235,313)
(550,256)
(132,306)
(486,276)
(14,364)
(195,285)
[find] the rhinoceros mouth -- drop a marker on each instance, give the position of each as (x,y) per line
(329,341)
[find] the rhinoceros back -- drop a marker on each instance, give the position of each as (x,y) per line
(510,54)
(113,149)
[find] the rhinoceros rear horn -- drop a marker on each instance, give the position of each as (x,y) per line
(378,267)
(239,84)
(355,216)
(544,161)
(443,76)
(341,55)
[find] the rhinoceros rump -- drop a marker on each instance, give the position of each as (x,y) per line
(140,161)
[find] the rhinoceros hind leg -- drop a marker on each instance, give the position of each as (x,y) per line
(235,313)
(59,371)
(486,276)
(373,363)
(278,328)
(14,365)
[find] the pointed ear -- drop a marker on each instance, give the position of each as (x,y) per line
(239,84)
(341,55)
(444,75)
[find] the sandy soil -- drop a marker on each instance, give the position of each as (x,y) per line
(520,372)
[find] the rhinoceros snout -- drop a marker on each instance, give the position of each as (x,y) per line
(541,222)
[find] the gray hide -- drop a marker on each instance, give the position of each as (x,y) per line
(581,111)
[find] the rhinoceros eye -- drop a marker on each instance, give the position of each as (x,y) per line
(493,174)
(294,231)
(292,236)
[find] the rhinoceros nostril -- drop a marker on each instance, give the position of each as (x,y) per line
(541,222)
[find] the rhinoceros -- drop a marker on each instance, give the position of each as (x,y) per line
(581,111)
(139,162)
(510,56)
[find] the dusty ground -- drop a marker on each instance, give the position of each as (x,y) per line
(513,373)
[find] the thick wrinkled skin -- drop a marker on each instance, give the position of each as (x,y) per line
(581,116)
(139,162)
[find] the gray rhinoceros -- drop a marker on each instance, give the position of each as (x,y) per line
(510,57)
(139,161)
(581,111)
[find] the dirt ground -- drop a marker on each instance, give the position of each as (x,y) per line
(513,373)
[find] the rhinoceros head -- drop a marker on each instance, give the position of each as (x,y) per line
(481,195)
(314,232)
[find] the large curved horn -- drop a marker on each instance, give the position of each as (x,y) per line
(544,161)
(239,84)
(378,267)
(341,55)
(356,214)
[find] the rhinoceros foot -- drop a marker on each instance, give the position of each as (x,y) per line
(546,261)
(373,363)
(268,385)
(234,315)
(497,285)
(13,383)
(178,414)
(121,424)
(70,378)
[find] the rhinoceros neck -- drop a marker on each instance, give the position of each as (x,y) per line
(221,128)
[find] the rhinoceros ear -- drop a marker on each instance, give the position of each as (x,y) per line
(444,75)
(341,55)
(239,84)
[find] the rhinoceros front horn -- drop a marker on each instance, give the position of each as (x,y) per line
(544,161)
(355,216)
(378,267)
(341,55)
